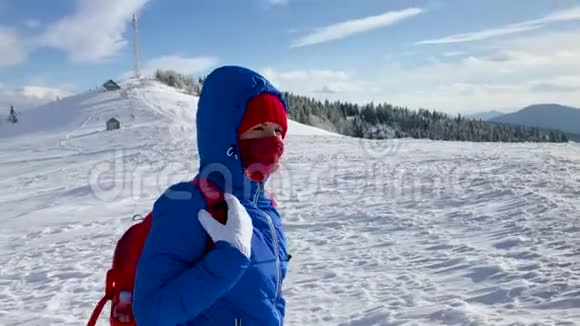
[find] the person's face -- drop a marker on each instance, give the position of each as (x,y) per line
(266,129)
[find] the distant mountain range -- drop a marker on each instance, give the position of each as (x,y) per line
(550,116)
(488,115)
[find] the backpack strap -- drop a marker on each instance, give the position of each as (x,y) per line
(215,202)
(101,304)
(97,311)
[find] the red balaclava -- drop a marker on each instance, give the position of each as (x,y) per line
(260,156)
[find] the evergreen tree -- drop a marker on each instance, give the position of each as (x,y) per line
(384,120)
(12,117)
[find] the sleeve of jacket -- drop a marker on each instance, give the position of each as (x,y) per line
(175,282)
(281,307)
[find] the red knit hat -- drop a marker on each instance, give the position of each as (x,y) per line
(265,107)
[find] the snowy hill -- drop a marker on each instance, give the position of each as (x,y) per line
(138,103)
(410,232)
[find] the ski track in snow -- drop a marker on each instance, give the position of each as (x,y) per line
(408,232)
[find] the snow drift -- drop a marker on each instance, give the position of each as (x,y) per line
(409,232)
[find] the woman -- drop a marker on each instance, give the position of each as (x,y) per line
(241,125)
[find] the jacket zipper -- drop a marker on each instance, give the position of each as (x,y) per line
(257,194)
(277,252)
(274,237)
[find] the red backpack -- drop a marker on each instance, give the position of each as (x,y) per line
(120,278)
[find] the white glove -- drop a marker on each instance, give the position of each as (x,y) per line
(238,229)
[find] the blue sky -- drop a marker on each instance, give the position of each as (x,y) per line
(454,56)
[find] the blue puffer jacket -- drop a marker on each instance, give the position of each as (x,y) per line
(175,283)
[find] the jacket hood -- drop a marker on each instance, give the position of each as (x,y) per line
(221,106)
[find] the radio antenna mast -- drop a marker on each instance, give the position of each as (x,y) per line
(136,52)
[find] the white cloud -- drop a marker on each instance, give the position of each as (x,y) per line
(269,4)
(482,35)
(42,93)
(191,65)
(95,31)
(348,28)
(12,50)
(454,54)
(512,73)
(570,14)
(334,83)
(470,98)
(30,96)
(184,65)
(302,75)
(32,23)
(279,2)
(502,74)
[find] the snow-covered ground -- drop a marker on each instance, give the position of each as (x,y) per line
(408,232)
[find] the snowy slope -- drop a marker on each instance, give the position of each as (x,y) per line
(139,103)
(381,232)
